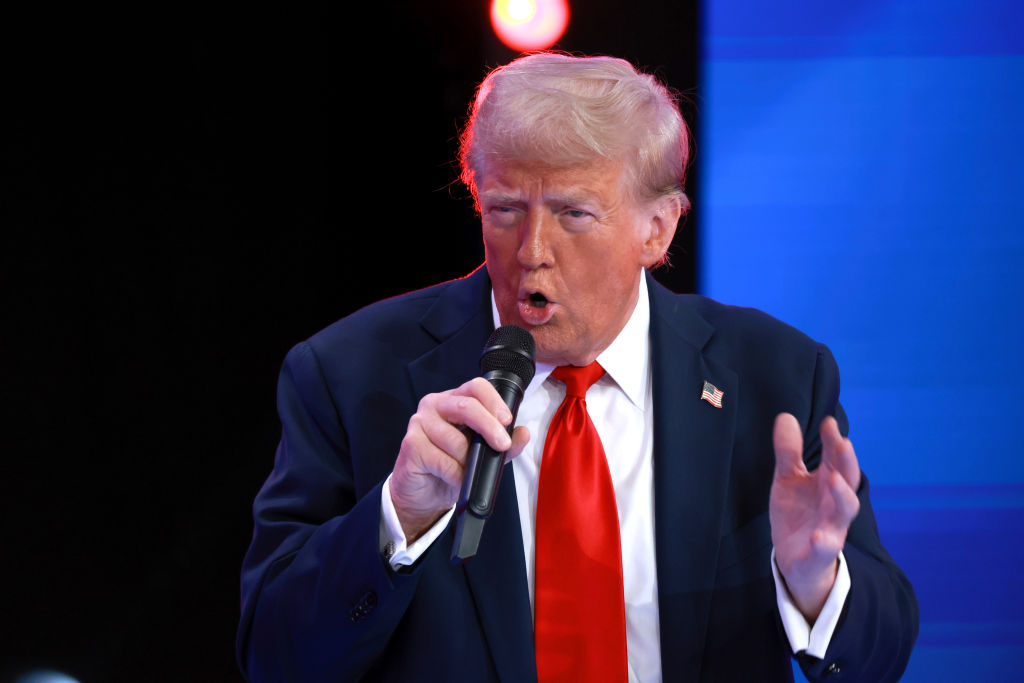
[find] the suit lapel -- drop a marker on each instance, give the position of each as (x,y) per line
(497,579)
(461,322)
(692,453)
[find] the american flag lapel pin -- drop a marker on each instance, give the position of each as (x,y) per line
(712,394)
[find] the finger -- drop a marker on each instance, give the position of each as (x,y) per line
(448,469)
(788,441)
(520,437)
(429,459)
(484,392)
(837,452)
(847,505)
(444,435)
(826,543)
(468,411)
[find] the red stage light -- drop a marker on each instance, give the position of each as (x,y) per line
(526,25)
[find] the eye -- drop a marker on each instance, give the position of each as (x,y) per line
(503,214)
(575,220)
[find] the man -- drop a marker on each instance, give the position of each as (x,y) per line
(730,555)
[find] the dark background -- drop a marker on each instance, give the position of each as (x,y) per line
(183,196)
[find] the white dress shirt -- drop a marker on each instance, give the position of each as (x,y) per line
(620,405)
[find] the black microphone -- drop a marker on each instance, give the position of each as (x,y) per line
(507,363)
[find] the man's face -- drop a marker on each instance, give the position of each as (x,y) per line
(565,251)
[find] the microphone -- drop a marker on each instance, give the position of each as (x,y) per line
(507,363)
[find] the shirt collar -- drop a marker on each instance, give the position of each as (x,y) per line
(627,358)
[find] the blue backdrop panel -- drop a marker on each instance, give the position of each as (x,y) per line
(862,179)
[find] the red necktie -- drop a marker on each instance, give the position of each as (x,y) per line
(579,609)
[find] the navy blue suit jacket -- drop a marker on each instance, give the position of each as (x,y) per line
(319,603)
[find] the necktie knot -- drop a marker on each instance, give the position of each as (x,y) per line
(577,380)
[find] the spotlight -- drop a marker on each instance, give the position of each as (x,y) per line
(527,25)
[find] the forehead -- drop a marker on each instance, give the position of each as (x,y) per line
(598,180)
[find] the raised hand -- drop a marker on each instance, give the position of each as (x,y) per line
(431,461)
(811,512)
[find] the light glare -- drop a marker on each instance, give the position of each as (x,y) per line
(527,25)
(520,10)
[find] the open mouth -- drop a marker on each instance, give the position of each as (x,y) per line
(536,309)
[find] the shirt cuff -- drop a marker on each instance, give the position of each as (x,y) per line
(393,543)
(812,639)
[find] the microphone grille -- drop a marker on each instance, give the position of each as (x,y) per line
(510,348)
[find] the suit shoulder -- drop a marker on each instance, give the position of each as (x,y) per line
(780,367)
(392,320)
(737,324)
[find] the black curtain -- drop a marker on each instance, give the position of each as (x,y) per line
(184,195)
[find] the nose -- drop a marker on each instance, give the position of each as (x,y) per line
(535,235)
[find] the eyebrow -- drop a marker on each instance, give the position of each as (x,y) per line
(572,196)
(499,197)
(578,196)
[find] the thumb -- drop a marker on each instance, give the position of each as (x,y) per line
(520,437)
(789,445)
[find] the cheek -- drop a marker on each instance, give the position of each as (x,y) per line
(501,270)
(499,245)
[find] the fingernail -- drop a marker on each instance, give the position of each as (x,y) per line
(506,416)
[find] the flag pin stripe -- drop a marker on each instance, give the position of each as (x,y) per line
(712,394)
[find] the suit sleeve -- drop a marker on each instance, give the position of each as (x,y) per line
(879,623)
(319,602)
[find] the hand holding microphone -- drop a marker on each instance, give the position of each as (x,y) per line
(458,439)
(508,364)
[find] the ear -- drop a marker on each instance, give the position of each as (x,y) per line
(661,217)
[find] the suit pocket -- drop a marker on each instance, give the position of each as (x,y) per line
(749,540)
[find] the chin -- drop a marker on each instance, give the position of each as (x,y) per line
(554,351)
(547,352)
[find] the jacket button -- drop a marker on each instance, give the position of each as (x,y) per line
(363,608)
